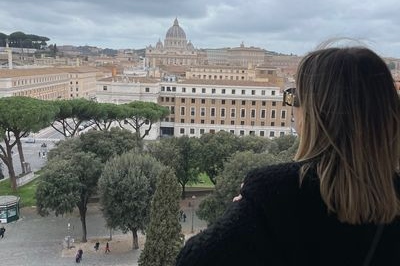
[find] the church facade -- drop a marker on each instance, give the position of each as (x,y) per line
(175,51)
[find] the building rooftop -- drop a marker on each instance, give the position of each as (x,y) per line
(127,79)
(11,73)
(227,82)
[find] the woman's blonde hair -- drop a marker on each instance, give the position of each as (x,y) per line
(351,130)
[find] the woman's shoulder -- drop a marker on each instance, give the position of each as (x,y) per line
(272,179)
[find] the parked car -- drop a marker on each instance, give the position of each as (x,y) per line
(30,140)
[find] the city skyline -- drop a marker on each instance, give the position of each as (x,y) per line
(280,26)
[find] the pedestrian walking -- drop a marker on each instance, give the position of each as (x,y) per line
(184,217)
(96,246)
(180,215)
(79,255)
(2,231)
(107,250)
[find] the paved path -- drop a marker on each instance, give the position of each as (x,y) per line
(35,240)
(38,241)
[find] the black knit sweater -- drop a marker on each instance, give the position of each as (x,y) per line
(278,223)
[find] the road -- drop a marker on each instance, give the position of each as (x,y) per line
(31,146)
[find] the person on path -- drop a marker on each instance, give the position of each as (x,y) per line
(107,250)
(2,231)
(79,255)
(96,246)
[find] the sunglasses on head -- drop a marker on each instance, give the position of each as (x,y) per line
(290,97)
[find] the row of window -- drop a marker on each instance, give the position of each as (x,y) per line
(37,80)
(214,101)
(216,77)
(221,91)
(220,70)
(261,133)
(222,122)
(232,113)
(105,88)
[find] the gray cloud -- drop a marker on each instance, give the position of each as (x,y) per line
(280,25)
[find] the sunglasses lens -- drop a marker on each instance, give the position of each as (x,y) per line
(289,97)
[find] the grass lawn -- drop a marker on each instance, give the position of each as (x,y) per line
(204,182)
(25,192)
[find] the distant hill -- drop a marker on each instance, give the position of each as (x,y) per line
(93,50)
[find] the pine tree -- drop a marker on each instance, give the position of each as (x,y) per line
(163,236)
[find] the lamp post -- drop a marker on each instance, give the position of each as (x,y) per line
(193,202)
(68,237)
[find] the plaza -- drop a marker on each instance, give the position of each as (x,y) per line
(39,241)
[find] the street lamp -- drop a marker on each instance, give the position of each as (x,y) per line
(68,237)
(193,202)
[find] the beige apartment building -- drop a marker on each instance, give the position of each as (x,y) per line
(125,89)
(245,56)
(237,56)
(205,106)
(209,106)
(40,83)
(82,82)
(258,73)
(49,83)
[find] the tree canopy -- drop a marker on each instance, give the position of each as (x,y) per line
(182,155)
(71,114)
(126,188)
(235,169)
(142,115)
(22,40)
(215,150)
(18,117)
(68,181)
(107,144)
(163,236)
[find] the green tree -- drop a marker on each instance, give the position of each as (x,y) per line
(277,150)
(288,154)
(107,113)
(107,144)
(3,38)
(282,143)
(163,236)
(254,143)
(68,180)
(142,115)
(16,39)
(215,150)
(18,117)
(182,155)
(71,114)
(229,181)
(126,188)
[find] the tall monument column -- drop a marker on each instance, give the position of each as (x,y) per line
(9,52)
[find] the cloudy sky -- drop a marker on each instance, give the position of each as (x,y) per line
(286,26)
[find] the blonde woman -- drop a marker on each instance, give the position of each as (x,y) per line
(338,204)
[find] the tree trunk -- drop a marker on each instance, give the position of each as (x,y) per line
(21,156)
(8,161)
(135,240)
(82,213)
(11,173)
(183,191)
